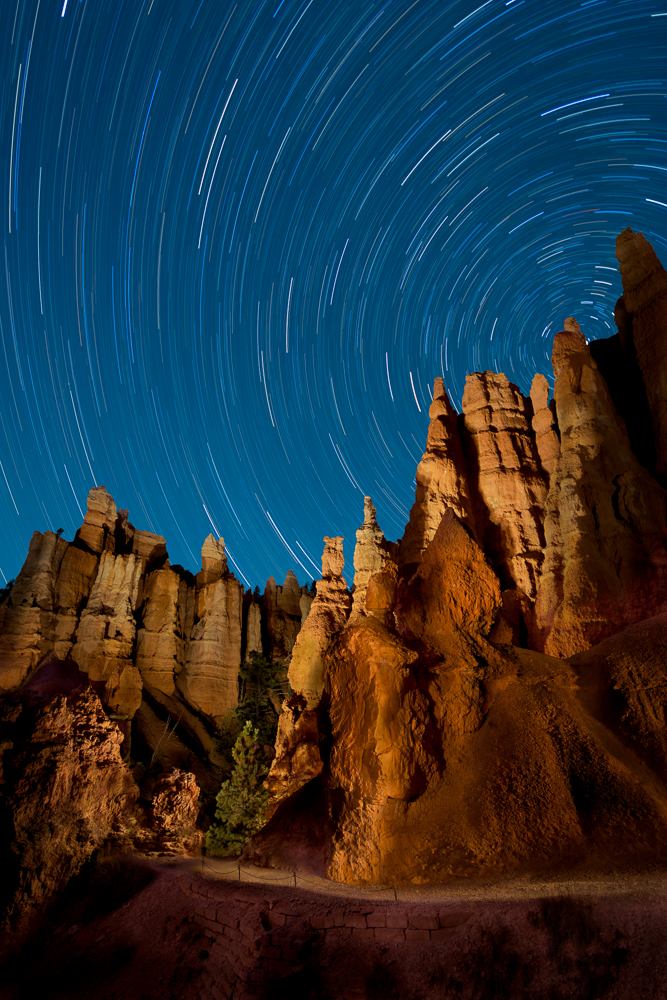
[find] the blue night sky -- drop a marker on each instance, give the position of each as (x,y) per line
(241,239)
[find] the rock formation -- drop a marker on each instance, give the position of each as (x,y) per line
(501,703)
(441,480)
(298,757)
(284,614)
(544,424)
(644,330)
(605,561)
(209,680)
(253,630)
(172,821)
(491,697)
(371,554)
(65,790)
(154,641)
(508,478)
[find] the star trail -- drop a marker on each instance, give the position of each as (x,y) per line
(241,240)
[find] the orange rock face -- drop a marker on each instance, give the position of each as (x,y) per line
(604,563)
(453,591)
(482,760)
(509,478)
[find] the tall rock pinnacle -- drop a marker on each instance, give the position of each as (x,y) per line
(370,556)
(510,480)
(441,480)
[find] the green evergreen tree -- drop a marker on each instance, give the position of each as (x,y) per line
(242,799)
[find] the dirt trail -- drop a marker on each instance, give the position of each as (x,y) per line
(638,883)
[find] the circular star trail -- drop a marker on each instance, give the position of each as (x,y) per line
(241,240)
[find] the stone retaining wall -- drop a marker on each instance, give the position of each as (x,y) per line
(258,938)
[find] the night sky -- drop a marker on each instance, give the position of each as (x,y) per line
(241,240)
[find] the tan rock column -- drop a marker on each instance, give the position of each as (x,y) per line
(282,607)
(160,640)
(370,556)
(209,680)
(544,424)
(100,520)
(105,639)
(253,630)
(510,480)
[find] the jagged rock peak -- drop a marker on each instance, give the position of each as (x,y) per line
(291,582)
(100,519)
(213,553)
(571,325)
(441,480)
(370,515)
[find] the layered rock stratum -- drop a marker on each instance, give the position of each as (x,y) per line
(492,692)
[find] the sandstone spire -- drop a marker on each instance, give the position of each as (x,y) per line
(544,424)
(510,479)
(370,556)
(284,614)
(100,519)
(298,758)
(213,556)
(328,613)
(441,480)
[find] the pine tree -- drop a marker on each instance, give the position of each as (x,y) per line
(242,799)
